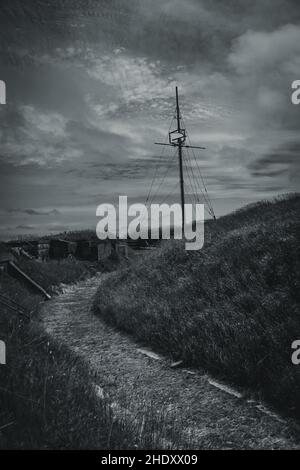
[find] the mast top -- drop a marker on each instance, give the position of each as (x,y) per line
(177,138)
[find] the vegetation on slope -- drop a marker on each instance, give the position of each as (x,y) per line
(52,273)
(231,308)
(47,395)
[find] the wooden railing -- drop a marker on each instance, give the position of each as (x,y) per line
(14,306)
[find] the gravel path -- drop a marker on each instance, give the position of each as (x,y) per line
(191,408)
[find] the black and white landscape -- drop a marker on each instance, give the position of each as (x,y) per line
(127,344)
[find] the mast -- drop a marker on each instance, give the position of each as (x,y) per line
(180,161)
(177,139)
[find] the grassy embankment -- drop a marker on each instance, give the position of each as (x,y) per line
(47,396)
(232,308)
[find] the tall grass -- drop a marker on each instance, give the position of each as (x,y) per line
(48,399)
(231,308)
(47,394)
(52,273)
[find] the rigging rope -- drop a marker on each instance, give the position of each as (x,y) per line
(206,196)
(194,188)
(157,165)
(191,167)
(164,177)
(197,184)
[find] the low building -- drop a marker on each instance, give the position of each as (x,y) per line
(85,251)
(122,249)
(60,248)
(105,249)
(5,258)
(38,249)
(95,250)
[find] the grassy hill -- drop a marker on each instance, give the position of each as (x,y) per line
(47,396)
(231,308)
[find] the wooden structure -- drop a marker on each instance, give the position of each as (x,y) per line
(104,249)
(60,248)
(86,250)
(5,258)
(177,139)
(37,249)
(16,272)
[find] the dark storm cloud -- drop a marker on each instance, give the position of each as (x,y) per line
(25,227)
(90,87)
(33,212)
(171,29)
(281,161)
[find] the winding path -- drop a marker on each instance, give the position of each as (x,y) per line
(192,409)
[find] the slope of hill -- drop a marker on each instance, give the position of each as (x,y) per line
(230,308)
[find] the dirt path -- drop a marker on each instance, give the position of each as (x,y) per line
(192,409)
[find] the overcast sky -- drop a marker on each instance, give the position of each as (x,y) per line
(90,88)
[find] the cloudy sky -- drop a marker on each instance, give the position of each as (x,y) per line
(90,88)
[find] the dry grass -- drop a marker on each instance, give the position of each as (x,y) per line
(47,394)
(52,273)
(232,308)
